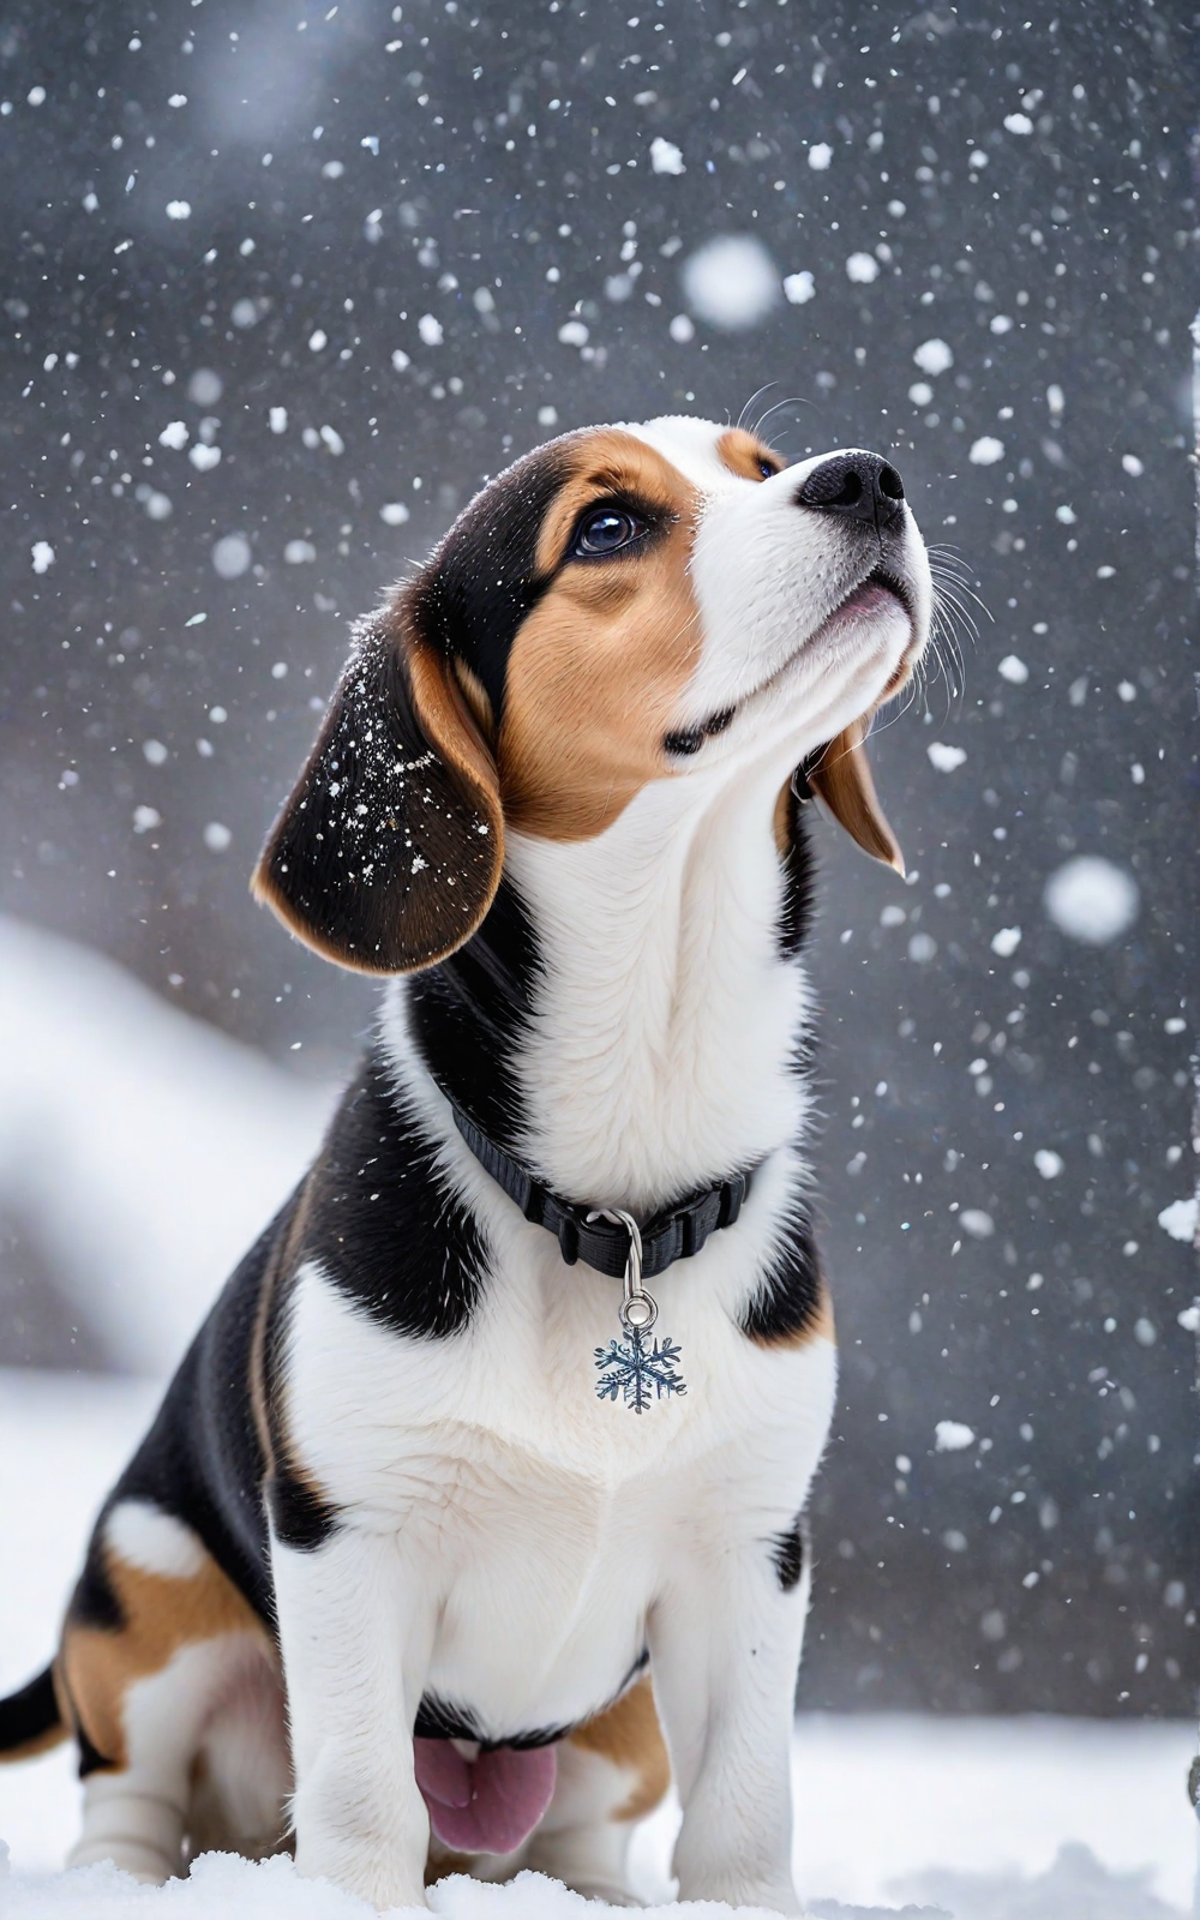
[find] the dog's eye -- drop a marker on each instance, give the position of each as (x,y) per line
(766,469)
(607,531)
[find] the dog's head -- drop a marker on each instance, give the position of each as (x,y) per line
(622,606)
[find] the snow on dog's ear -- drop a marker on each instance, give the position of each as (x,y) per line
(388,852)
(841,775)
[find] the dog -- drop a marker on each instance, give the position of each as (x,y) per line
(474,1514)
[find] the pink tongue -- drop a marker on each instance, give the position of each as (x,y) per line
(488,1805)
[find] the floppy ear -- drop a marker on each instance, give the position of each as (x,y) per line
(841,775)
(388,852)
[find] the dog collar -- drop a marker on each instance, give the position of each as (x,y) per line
(613,1242)
(603,1241)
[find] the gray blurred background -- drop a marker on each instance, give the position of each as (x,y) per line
(281,283)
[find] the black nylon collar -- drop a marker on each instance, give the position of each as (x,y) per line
(674,1234)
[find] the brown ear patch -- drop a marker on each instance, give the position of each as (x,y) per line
(597,667)
(842,777)
(388,852)
(156,1615)
(628,1734)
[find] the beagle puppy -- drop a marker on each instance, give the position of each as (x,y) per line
(473,1515)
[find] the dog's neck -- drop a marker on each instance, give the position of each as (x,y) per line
(625,1022)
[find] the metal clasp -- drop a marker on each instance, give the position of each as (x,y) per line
(639,1309)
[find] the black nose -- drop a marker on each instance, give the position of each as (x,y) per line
(863,486)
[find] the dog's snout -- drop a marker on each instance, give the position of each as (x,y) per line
(862,486)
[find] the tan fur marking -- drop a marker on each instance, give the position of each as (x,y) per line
(629,1735)
(450,726)
(162,1614)
(782,820)
(476,696)
(745,454)
(596,670)
(280,1262)
(842,777)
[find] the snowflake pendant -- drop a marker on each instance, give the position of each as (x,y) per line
(632,1369)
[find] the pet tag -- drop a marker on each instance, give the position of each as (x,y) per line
(633,1368)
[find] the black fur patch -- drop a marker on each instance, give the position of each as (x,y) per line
(799,879)
(469,1015)
(201,1460)
(299,1516)
(483,582)
(788,1552)
(94,1602)
(786,1302)
(378,858)
(30,1713)
(439,1719)
(385,1229)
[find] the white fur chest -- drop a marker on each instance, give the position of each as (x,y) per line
(547,1521)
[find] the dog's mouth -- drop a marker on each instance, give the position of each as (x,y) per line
(880,589)
(879,593)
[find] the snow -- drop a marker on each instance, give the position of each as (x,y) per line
(731,281)
(861,269)
(231,555)
(951,1436)
(665,156)
(1074,1887)
(799,288)
(41,556)
(1013,669)
(1181,1219)
(1091,899)
(985,451)
(1048,1163)
(205,387)
(933,357)
(1005,941)
(140,1114)
(819,157)
(945,758)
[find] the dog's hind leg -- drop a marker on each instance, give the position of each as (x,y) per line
(611,1773)
(153,1633)
(135,1813)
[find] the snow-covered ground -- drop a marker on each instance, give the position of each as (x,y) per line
(981,1819)
(121,1120)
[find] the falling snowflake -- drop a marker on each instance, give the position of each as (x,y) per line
(632,1369)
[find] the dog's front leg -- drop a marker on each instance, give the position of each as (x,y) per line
(355,1626)
(724,1651)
